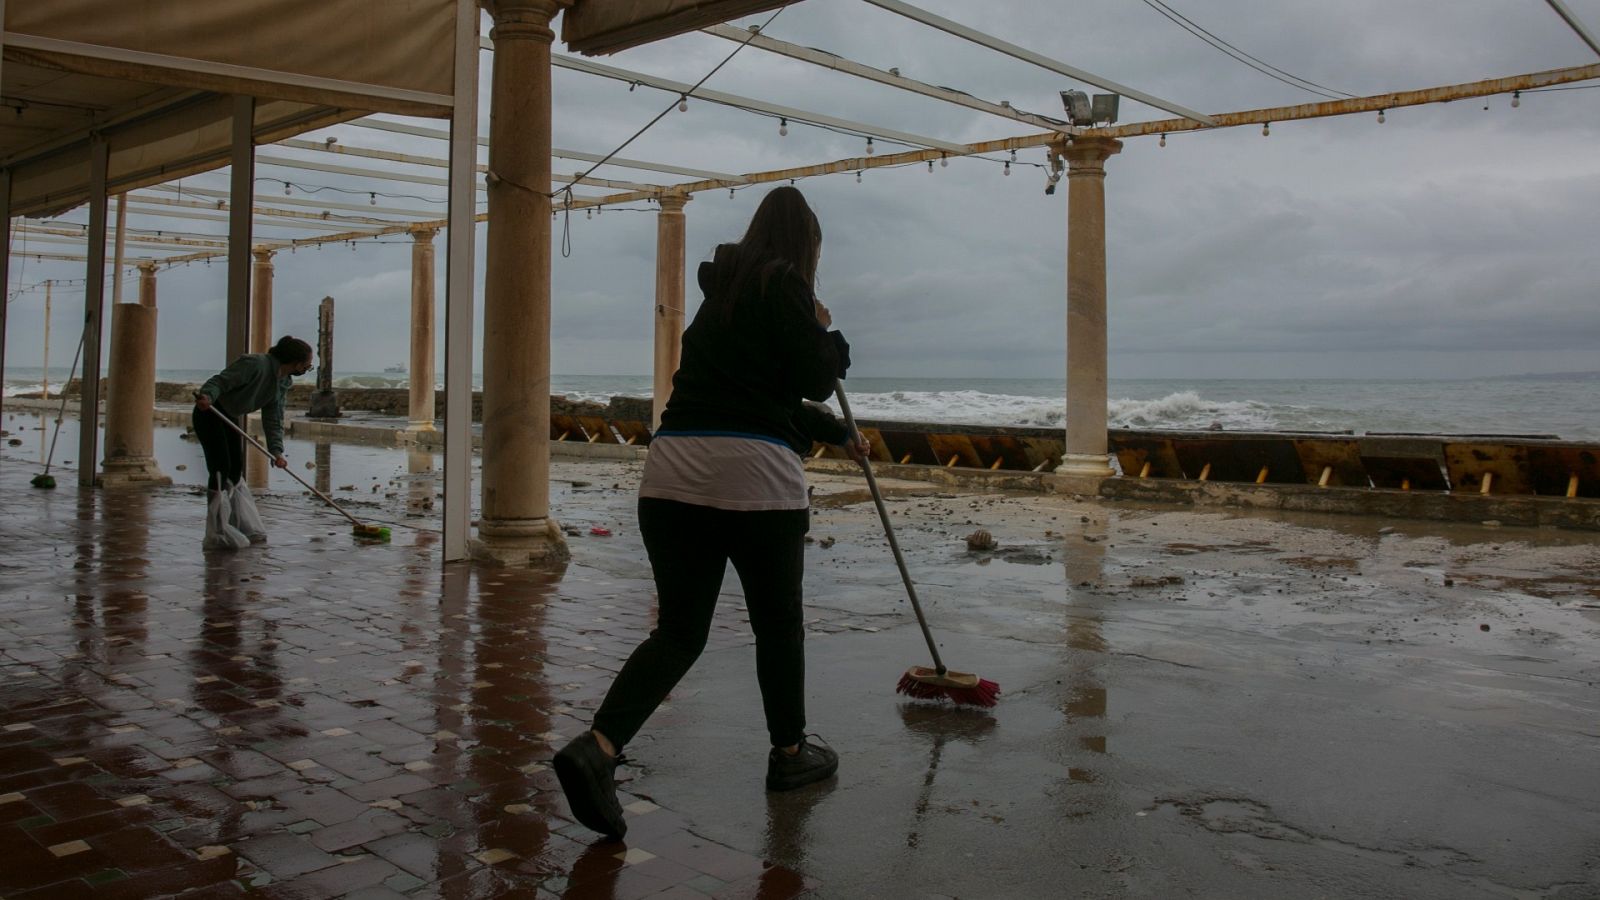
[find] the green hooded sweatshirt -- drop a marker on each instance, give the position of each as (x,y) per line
(249,384)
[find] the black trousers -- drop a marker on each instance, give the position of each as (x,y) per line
(690,547)
(223,447)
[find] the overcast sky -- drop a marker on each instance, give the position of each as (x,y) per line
(1450,241)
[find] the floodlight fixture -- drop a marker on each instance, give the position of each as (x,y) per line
(1083,111)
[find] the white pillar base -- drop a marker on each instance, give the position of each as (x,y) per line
(526,543)
(1093,465)
(1079,474)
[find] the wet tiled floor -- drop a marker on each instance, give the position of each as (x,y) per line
(1202,703)
(308,718)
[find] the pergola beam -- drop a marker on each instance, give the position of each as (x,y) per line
(294,201)
(1350,106)
(1574,24)
(321,219)
(222,216)
(891,78)
(557,152)
(1038,59)
(590,67)
(1396,100)
(435,162)
(152,243)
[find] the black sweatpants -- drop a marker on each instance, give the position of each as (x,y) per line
(224,449)
(690,547)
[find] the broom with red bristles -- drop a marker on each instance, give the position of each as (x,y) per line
(920,682)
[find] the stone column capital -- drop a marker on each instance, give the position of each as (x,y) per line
(263,257)
(524,19)
(673,203)
(1087,155)
(424,235)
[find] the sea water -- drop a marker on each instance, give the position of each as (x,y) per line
(1563,405)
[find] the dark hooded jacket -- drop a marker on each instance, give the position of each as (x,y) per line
(750,362)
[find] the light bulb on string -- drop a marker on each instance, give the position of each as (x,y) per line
(1516,99)
(1008,169)
(870,150)
(588,213)
(1163,138)
(372,198)
(730,193)
(858,176)
(286,189)
(1013,156)
(1266,129)
(783,128)
(683,103)
(930,167)
(944,161)
(1380,117)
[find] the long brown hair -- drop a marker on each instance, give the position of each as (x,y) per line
(784,235)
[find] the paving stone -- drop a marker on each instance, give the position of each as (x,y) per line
(302,719)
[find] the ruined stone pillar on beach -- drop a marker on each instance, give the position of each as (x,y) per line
(256,466)
(669,299)
(324,402)
(1085,458)
(130,428)
(515,527)
(422,277)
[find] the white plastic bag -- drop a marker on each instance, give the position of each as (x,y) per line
(245,516)
(220,535)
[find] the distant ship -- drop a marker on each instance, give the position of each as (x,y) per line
(395,370)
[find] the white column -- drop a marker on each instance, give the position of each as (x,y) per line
(1086,443)
(669,300)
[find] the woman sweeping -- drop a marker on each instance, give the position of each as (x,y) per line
(255,381)
(724,483)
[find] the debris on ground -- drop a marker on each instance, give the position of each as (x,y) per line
(981,540)
(1143,581)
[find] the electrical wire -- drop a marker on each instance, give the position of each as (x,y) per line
(1265,68)
(566,233)
(319,188)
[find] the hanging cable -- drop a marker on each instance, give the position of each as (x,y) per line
(681,103)
(1265,68)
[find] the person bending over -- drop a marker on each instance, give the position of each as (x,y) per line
(254,381)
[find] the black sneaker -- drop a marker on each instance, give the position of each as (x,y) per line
(812,763)
(586,778)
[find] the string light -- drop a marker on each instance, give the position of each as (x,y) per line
(1516,99)
(286,189)
(372,198)
(783,128)
(1013,155)
(683,103)
(930,167)
(858,176)
(1163,138)
(730,193)
(1266,129)
(1380,117)
(1007,172)
(870,151)
(944,161)
(588,213)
